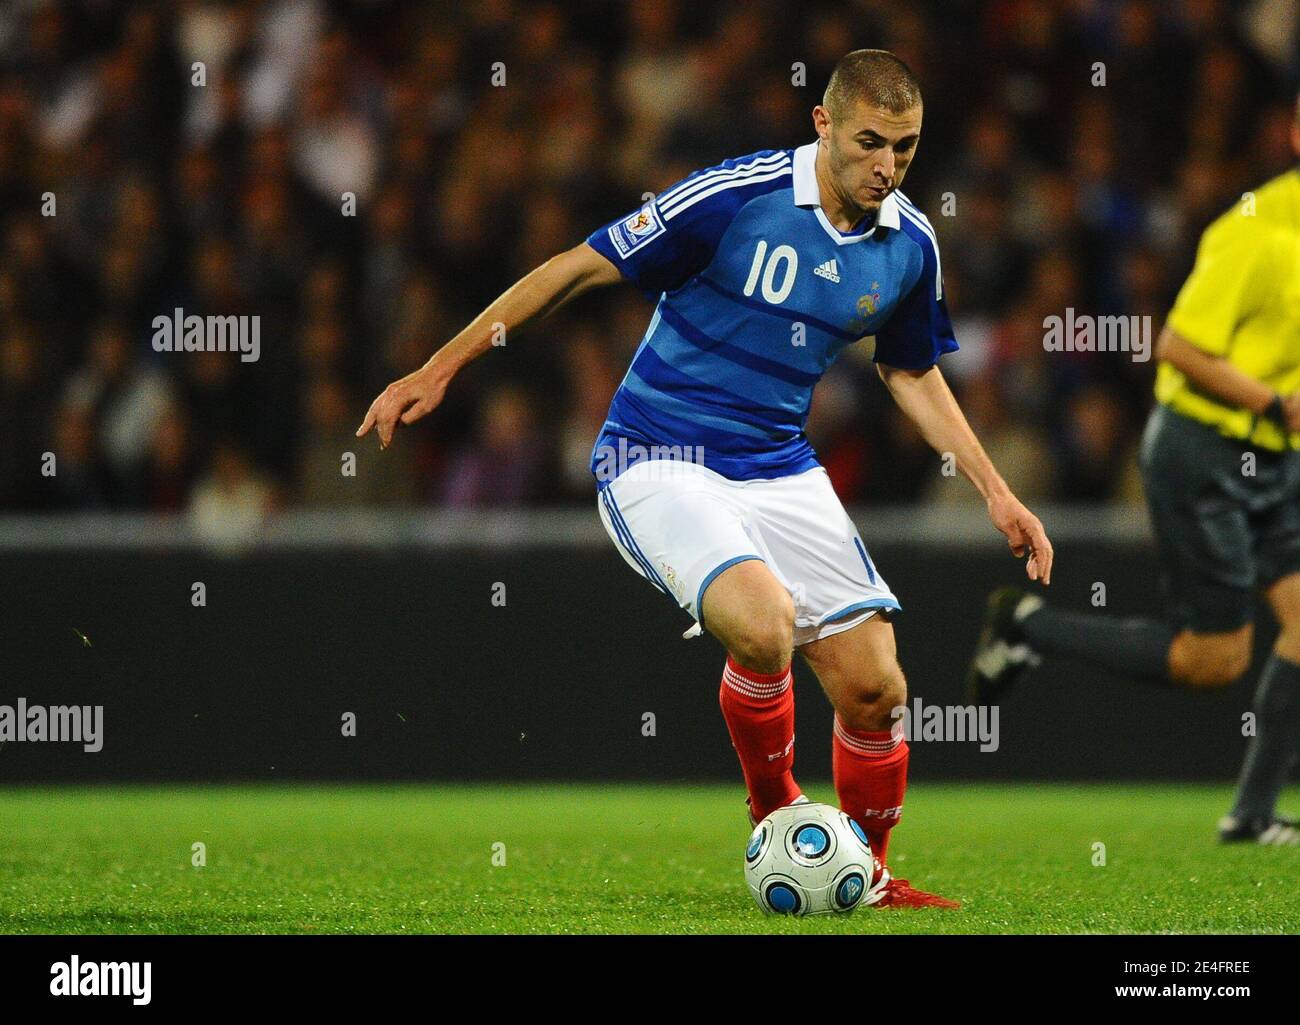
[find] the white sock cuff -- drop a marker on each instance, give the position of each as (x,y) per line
(763,690)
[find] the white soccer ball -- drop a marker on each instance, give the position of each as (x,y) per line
(811,859)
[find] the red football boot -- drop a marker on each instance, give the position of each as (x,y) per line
(898,893)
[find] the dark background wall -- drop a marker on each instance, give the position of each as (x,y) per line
(554,684)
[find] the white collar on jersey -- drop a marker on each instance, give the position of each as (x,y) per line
(807,193)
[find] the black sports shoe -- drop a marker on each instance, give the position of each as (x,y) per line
(1002,655)
(1278,831)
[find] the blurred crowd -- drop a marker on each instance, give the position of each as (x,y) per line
(366,176)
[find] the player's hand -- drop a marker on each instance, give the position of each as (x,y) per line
(1024,533)
(405,401)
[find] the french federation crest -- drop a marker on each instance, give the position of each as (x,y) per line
(869,303)
(670,578)
(866,306)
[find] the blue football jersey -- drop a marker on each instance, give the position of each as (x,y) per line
(757,294)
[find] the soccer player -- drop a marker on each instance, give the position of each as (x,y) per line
(764,268)
(1222,474)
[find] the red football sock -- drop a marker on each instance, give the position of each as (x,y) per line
(759,709)
(870,768)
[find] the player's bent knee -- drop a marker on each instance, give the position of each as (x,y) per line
(1210,660)
(765,641)
(869,703)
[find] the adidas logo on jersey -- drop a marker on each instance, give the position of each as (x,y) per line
(829,271)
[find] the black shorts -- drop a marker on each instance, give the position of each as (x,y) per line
(1222,532)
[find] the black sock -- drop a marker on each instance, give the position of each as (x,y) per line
(1129,647)
(1276,743)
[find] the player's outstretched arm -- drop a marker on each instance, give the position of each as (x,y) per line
(532,297)
(925,397)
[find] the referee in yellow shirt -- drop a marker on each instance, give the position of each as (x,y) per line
(1221,464)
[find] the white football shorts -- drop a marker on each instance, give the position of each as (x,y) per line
(680,524)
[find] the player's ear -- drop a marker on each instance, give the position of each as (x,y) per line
(822,122)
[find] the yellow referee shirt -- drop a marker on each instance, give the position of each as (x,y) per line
(1242,302)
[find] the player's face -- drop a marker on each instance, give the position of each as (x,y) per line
(869,150)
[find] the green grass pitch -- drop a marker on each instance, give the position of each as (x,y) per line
(609,859)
